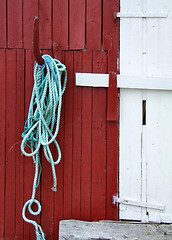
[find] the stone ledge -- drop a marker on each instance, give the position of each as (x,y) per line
(111,230)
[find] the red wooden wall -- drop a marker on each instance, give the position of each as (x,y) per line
(83,35)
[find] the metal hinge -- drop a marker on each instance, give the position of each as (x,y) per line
(140,15)
(138,203)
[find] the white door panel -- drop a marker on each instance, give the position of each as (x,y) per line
(145,158)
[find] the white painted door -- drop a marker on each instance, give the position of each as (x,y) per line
(145,82)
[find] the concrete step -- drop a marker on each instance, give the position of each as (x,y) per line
(111,230)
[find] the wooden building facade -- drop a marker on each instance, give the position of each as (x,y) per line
(84,36)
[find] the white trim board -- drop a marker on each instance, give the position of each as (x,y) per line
(144,82)
(92,79)
(141,15)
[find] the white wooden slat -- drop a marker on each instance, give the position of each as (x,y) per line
(134,202)
(144,217)
(144,82)
(129,153)
(92,80)
(130,39)
(145,72)
(159,46)
(146,41)
(141,15)
(158,153)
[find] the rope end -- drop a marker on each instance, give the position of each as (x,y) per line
(54,189)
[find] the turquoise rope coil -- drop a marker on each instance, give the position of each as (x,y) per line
(42,125)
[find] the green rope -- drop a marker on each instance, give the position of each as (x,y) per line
(42,125)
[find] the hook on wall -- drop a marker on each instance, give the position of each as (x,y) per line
(35,43)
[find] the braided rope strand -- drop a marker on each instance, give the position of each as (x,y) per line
(43,117)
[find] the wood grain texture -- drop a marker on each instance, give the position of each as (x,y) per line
(112,136)
(93,24)
(77,24)
(68,140)
(3,20)
(112,170)
(60,23)
(86,141)
(14,21)
(2,139)
(45,24)
(87,173)
(130,118)
(19,129)
(110,26)
(112,101)
(99,142)
(10,188)
(76,187)
(30,11)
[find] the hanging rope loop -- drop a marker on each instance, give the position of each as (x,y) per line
(42,125)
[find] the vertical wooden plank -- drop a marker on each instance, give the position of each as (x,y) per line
(68,137)
(155,149)
(29,168)
(77,24)
(93,24)
(58,208)
(45,24)
(47,195)
(14,24)
(112,137)
(131,58)
(60,23)
(2,140)
(76,187)
(112,169)
(3,24)
(86,142)
(130,144)
(19,130)
(112,101)
(30,11)
(10,142)
(99,142)
(110,26)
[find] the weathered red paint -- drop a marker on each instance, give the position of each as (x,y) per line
(68,140)
(14,22)
(86,141)
(19,128)
(110,26)
(76,24)
(45,24)
(94,24)
(60,23)
(99,142)
(77,154)
(2,140)
(30,11)
(75,32)
(3,21)
(10,165)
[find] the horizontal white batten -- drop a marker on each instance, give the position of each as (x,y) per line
(92,79)
(138,203)
(144,82)
(141,15)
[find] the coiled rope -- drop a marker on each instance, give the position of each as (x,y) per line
(43,117)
